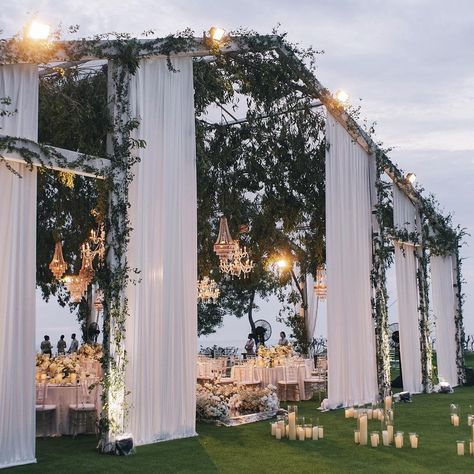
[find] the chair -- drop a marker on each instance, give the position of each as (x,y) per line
(288,389)
(316,382)
(248,378)
(83,413)
(45,414)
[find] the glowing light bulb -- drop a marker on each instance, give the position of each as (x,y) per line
(38,30)
(411,177)
(341,96)
(282,263)
(216,34)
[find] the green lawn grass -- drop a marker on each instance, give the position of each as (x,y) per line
(250,448)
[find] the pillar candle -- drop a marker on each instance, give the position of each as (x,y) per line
(363,429)
(413,440)
(292,425)
(300,432)
(356,437)
(315,433)
(390,433)
(375,414)
(308,431)
(399,440)
(471,448)
(388,402)
(460,445)
(370,413)
(281,425)
(385,438)
(320,432)
(349,412)
(278,433)
(455,419)
(287,430)
(374,439)
(274,427)
(355,413)
(469,420)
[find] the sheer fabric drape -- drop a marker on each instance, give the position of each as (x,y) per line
(404,216)
(18,273)
(162,328)
(352,373)
(444,312)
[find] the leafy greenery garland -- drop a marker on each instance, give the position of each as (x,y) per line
(382,257)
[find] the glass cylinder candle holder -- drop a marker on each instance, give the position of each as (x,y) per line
(292,414)
(308,428)
(399,439)
(356,436)
(413,440)
(273,427)
(374,439)
(300,421)
(460,448)
(455,414)
(320,432)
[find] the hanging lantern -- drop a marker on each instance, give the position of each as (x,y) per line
(58,266)
(225,245)
(320,286)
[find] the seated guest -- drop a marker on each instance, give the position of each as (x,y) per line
(46,347)
(283,340)
(74,344)
(61,345)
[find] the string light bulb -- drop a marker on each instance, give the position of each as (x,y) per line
(411,177)
(38,30)
(216,33)
(341,96)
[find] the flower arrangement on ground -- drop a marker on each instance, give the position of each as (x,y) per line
(219,402)
(273,355)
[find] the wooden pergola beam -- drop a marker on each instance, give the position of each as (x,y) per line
(51,157)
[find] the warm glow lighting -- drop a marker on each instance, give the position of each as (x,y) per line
(216,34)
(341,96)
(282,263)
(38,30)
(411,177)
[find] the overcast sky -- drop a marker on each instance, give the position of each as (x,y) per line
(408,63)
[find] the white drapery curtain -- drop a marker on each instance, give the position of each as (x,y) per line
(162,327)
(313,304)
(18,273)
(352,372)
(405,217)
(444,311)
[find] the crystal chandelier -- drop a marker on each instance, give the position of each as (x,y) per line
(225,245)
(75,284)
(99,301)
(207,290)
(320,286)
(58,266)
(239,264)
(95,247)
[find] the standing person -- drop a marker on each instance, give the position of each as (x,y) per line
(283,340)
(250,346)
(46,346)
(61,345)
(74,344)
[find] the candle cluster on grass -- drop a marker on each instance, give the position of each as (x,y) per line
(296,428)
(455,411)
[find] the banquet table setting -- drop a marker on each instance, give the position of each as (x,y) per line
(68,392)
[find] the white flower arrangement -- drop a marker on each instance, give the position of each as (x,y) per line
(219,402)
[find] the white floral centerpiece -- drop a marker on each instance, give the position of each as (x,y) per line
(221,402)
(273,355)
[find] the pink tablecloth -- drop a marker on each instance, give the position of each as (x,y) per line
(271,375)
(62,396)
